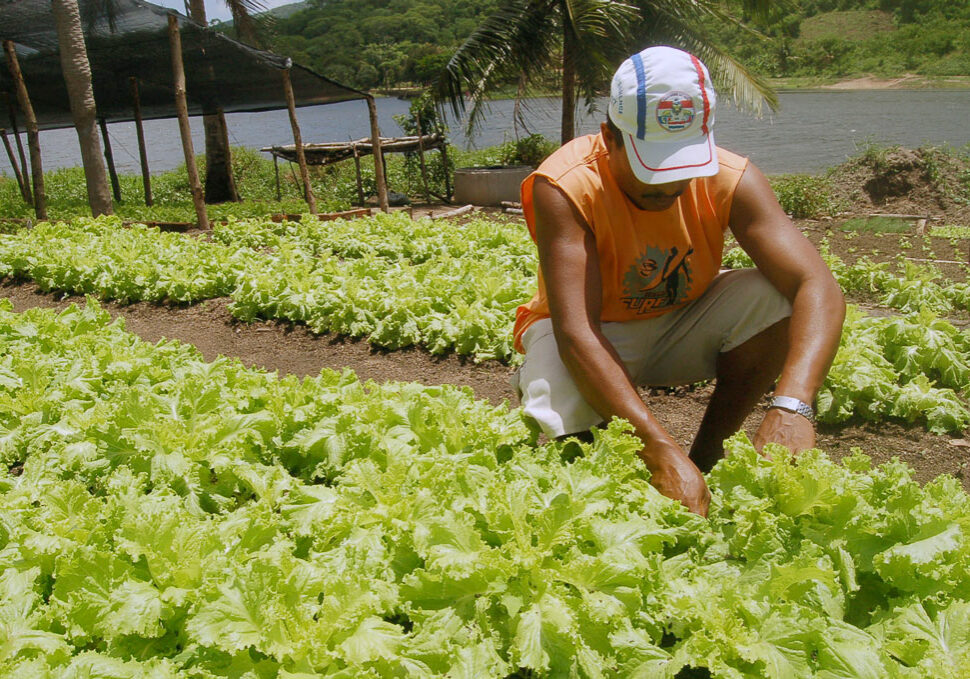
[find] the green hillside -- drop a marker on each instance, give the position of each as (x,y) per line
(378,43)
(852,25)
(845,38)
(284,11)
(392,43)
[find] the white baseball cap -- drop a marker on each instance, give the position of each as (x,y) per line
(662,100)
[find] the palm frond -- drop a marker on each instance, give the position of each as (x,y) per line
(250,21)
(603,31)
(524,39)
(515,41)
(678,24)
(607,19)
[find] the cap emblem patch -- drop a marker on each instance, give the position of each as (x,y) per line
(675,111)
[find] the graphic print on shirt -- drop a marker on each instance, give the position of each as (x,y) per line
(658,278)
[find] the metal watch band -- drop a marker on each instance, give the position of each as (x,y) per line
(793,405)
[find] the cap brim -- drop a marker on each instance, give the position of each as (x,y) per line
(655,162)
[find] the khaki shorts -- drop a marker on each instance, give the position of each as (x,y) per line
(679,347)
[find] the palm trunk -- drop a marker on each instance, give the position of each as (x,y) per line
(568,129)
(219,184)
(220,187)
(80,92)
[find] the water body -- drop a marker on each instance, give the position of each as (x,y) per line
(811,132)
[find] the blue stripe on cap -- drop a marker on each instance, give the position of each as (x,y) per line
(641,96)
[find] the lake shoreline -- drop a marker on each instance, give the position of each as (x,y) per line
(808,133)
(908,81)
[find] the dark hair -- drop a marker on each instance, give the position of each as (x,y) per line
(615,131)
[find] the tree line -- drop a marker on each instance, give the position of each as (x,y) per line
(393,43)
(379,43)
(840,38)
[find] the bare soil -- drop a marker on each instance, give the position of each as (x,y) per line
(926,181)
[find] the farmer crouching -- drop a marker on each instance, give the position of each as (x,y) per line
(629,224)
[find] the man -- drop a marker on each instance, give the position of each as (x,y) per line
(629,224)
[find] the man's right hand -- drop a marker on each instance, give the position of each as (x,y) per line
(674,474)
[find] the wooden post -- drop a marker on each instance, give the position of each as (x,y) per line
(25,188)
(276,168)
(13,160)
(375,133)
(182,108)
(424,167)
(360,180)
(110,159)
(443,150)
(298,141)
(146,178)
(33,134)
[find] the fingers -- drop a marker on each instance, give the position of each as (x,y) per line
(677,477)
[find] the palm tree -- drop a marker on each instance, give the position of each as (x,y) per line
(77,77)
(584,40)
(220,186)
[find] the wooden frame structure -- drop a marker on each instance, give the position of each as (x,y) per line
(202,48)
(327,153)
(33,135)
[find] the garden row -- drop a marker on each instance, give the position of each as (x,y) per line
(450,287)
(167,517)
(398,282)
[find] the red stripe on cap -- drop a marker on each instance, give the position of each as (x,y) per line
(676,167)
(700,81)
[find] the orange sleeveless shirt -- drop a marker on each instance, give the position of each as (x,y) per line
(650,262)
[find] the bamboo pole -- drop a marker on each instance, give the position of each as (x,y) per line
(276,169)
(424,167)
(109,157)
(298,141)
(360,180)
(181,107)
(33,134)
(25,188)
(375,132)
(146,178)
(443,150)
(13,160)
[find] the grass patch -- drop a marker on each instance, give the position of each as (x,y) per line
(804,196)
(879,224)
(847,25)
(335,187)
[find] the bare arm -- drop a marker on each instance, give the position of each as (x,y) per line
(794,267)
(570,267)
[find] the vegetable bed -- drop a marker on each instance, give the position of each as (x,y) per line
(163,516)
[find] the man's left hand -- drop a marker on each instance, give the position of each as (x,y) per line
(786,428)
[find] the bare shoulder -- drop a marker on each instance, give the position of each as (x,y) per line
(755,201)
(554,212)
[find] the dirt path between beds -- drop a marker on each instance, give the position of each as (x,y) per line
(285,348)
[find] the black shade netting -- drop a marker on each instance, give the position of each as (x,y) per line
(129,39)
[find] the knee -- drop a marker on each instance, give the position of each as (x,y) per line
(758,359)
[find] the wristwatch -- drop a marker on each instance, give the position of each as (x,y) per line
(793,405)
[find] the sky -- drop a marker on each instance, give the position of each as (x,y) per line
(216,9)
